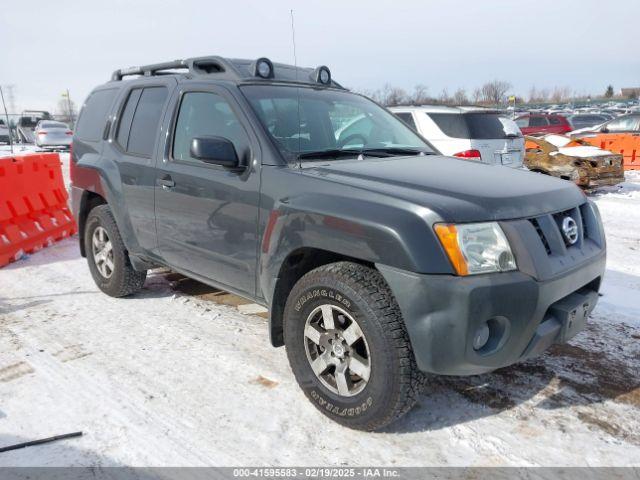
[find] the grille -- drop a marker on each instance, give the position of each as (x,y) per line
(549,230)
(545,242)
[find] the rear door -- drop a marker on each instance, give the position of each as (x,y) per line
(135,138)
(497,138)
(207,215)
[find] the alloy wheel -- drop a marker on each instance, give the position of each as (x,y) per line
(337,350)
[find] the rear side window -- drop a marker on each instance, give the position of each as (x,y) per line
(94,113)
(475,126)
(555,120)
(407,118)
(522,122)
(537,122)
(140,119)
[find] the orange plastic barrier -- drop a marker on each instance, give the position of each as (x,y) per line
(626,144)
(33,205)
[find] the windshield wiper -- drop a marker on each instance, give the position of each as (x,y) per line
(331,153)
(371,152)
(391,151)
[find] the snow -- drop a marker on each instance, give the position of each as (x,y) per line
(557,140)
(180,375)
(581,151)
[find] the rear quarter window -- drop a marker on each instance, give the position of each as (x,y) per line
(93,116)
(451,124)
(407,118)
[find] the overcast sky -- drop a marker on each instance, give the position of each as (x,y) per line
(584,44)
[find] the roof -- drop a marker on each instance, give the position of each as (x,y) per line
(443,109)
(231,69)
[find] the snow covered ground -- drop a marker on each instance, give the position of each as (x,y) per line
(179,375)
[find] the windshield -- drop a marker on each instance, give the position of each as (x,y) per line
(329,121)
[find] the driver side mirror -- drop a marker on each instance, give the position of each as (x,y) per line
(604,129)
(215,150)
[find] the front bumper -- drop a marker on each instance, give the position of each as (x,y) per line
(442,314)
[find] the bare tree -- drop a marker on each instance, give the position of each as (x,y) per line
(460,97)
(444,97)
(391,96)
(494,92)
(560,94)
(66,110)
(420,95)
(477,95)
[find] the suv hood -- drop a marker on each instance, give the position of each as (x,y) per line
(458,190)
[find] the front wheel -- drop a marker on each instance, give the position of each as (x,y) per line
(107,257)
(348,346)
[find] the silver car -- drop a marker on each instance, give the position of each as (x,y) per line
(52,134)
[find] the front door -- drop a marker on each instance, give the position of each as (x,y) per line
(207,215)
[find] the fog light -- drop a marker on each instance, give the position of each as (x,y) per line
(322,75)
(481,337)
(263,68)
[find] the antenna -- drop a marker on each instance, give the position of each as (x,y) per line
(293,39)
(295,63)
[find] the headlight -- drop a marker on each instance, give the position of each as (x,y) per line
(476,247)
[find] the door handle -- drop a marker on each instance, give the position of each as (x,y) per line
(166,182)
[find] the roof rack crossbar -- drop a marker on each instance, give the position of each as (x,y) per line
(197,65)
(148,70)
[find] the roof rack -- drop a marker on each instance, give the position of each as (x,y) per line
(234,70)
(198,65)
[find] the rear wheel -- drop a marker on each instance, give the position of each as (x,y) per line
(348,346)
(107,257)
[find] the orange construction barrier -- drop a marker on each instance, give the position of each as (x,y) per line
(33,205)
(626,144)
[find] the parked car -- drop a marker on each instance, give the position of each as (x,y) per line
(377,258)
(587,166)
(4,132)
(623,124)
(541,124)
(49,133)
(467,132)
(584,120)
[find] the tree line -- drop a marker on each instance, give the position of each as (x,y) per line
(494,93)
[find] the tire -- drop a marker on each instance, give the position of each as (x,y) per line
(119,278)
(348,292)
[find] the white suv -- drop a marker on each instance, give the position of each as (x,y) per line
(468,132)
